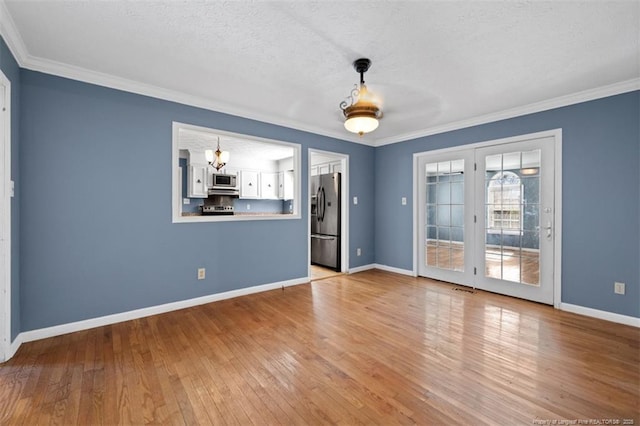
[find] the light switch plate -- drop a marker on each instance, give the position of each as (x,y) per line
(355,201)
(404,201)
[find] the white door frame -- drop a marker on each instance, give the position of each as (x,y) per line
(344,202)
(556,134)
(456,277)
(5,206)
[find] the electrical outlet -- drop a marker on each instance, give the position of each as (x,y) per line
(186,201)
(248,206)
(618,288)
(358,251)
(404,201)
(201,273)
(355,201)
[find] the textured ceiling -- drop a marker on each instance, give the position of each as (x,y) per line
(289,62)
(237,147)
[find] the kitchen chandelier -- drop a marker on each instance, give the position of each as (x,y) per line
(361,112)
(221,157)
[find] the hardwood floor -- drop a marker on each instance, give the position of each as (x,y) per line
(367,348)
(320,273)
(508,263)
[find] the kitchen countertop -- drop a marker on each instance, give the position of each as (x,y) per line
(260,214)
(186,214)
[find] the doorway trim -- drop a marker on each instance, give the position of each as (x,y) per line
(556,134)
(5,205)
(344,213)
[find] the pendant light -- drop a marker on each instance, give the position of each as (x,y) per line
(361,112)
(219,160)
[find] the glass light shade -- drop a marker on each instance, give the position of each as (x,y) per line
(208,155)
(224,157)
(530,171)
(361,125)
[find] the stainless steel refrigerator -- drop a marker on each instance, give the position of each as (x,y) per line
(325,220)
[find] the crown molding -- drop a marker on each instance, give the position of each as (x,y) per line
(11,36)
(15,43)
(561,101)
(9,32)
(106,80)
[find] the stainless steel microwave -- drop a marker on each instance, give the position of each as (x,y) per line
(224,181)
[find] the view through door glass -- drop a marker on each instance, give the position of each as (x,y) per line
(445,215)
(512,206)
(445,195)
(515,217)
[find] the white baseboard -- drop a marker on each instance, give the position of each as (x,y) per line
(595,313)
(58,330)
(12,348)
(361,268)
(394,269)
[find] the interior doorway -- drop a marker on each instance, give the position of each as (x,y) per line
(488,216)
(5,217)
(328,214)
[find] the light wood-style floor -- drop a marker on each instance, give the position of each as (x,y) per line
(508,263)
(368,348)
(320,273)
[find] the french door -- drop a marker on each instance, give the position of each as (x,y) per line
(486,218)
(445,197)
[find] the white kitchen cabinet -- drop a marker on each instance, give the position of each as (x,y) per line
(249,184)
(269,185)
(281,185)
(324,168)
(287,183)
(197,182)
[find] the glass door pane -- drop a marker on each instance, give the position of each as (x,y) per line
(512,212)
(444,242)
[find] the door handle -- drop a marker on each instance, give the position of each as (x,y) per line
(323,237)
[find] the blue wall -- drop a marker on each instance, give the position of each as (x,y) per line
(258,206)
(92,231)
(601,200)
(10,68)
(97,236)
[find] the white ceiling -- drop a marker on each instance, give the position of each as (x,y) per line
(200,140)
(437,65)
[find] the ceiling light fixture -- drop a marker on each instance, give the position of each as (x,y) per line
(221,157)
(361,112)
(529,171)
